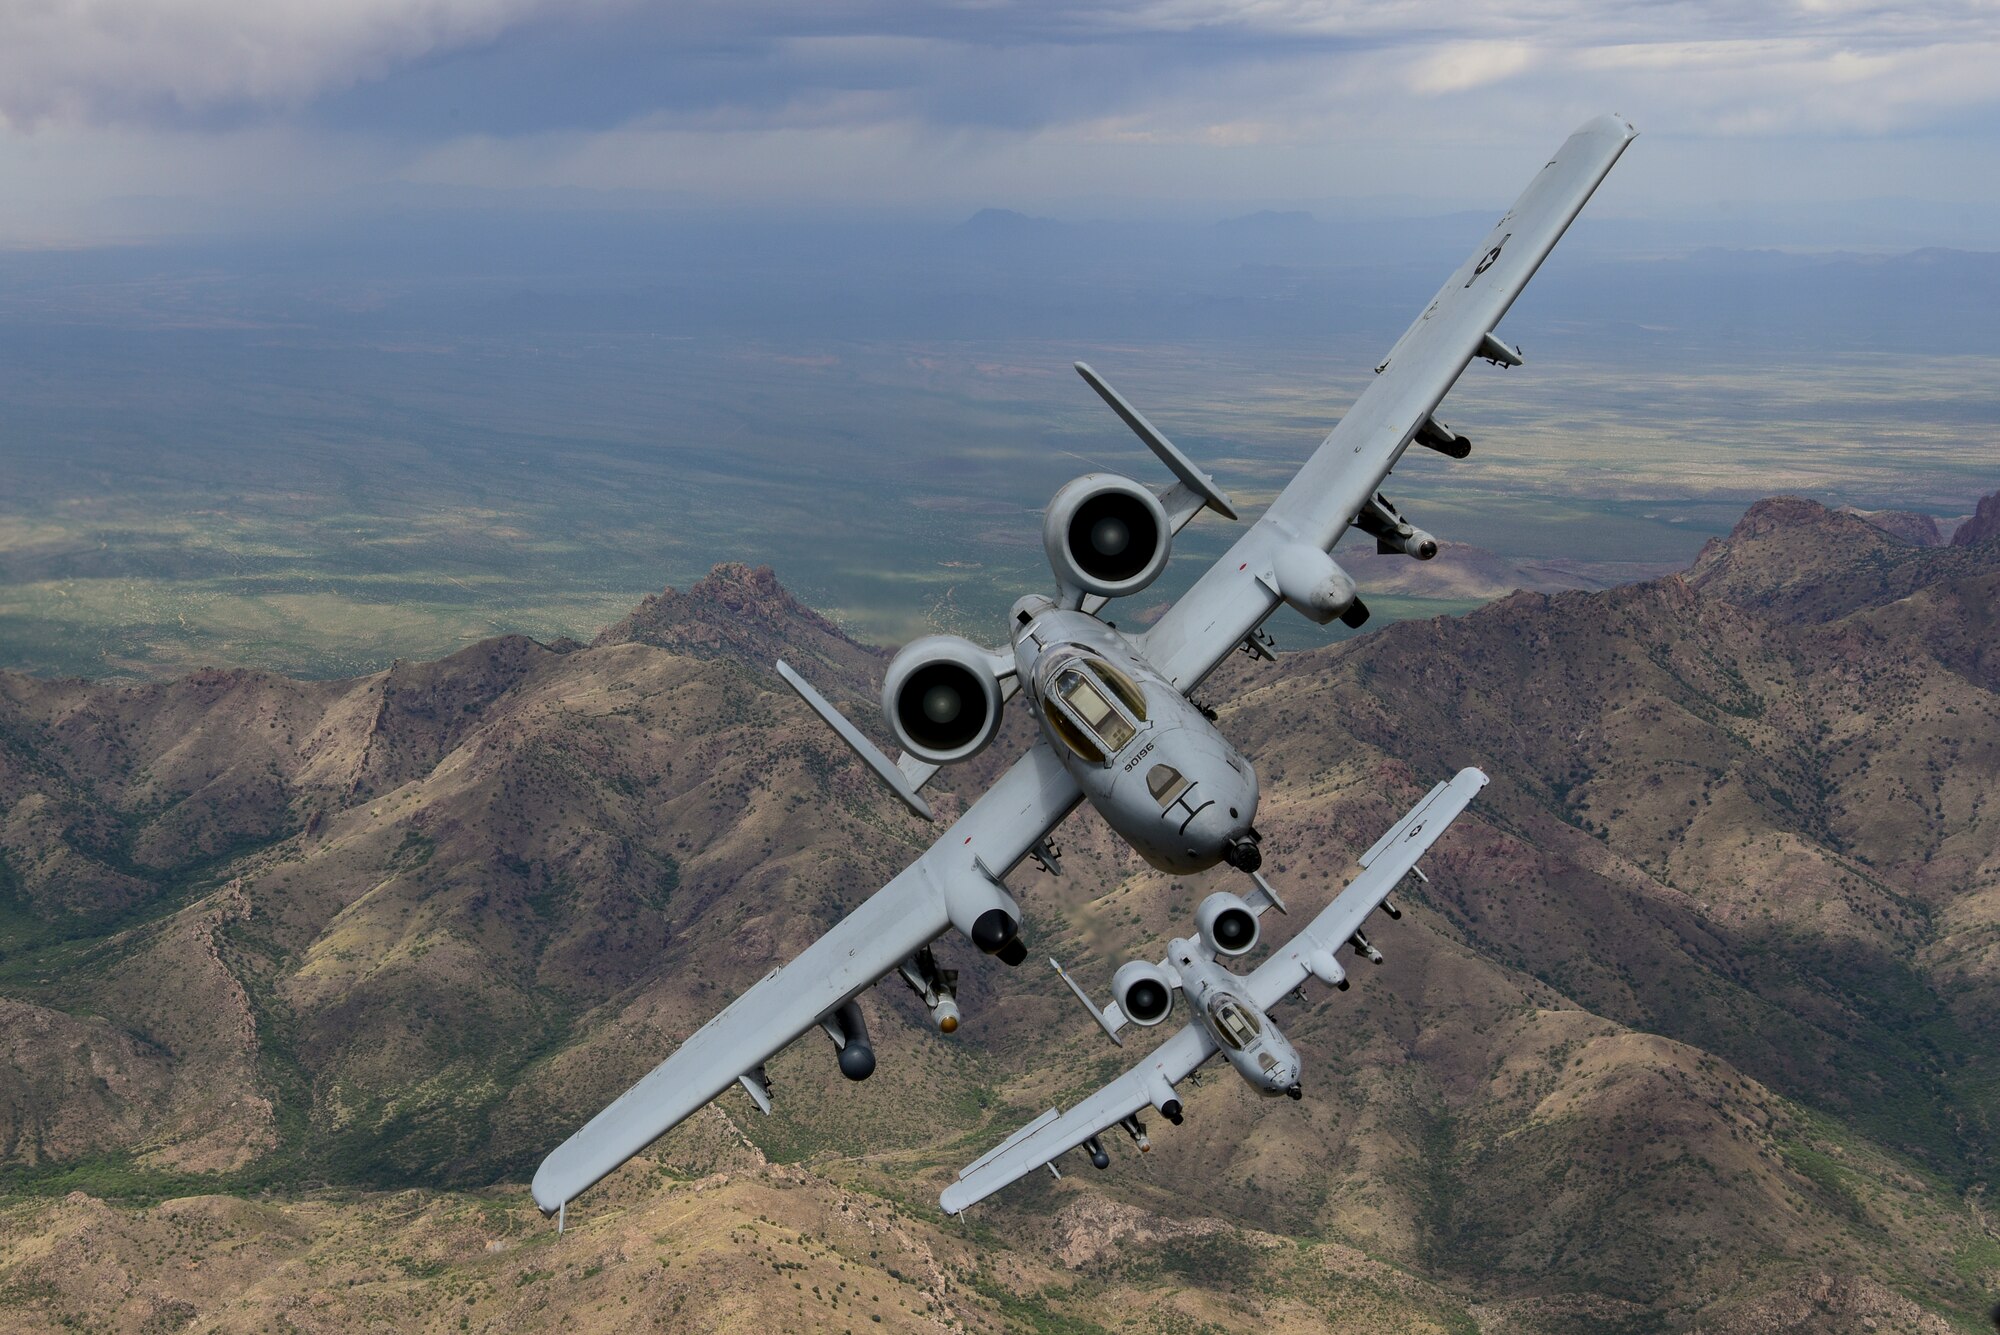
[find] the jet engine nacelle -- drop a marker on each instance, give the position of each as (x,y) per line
(942,698)
(1227,925)
(1144,992)
(1106,535)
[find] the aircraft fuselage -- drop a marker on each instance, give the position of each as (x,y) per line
(1148,759)
(1261,1055)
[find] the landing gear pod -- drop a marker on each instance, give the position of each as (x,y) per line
(1380,519)
(1106,535)
(1312,582)
(998,933)
(850,1034)
(1144,993)
(942,698)
(1227,924)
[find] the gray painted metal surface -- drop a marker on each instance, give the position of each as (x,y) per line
(1201,978)
(944,888)
(1282,558)
(1319,503)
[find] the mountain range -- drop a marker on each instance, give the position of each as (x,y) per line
(1692,1029)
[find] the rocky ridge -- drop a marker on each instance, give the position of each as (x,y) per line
(1983,527)
(1706,976)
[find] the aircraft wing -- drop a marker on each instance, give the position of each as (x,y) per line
(951,884)
(1052,1134)
(1321,501)
(1311,952)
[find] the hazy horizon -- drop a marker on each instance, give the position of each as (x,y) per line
(336,332)
(321,452)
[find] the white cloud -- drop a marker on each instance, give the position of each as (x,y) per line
(1035,100)
(80,60)
(1458,66)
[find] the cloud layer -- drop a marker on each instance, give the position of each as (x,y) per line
(82,60)
(857,100)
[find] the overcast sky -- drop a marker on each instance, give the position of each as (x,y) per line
(119,117)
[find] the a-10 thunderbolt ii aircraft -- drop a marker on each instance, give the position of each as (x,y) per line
(1231,1013)
(1117,726)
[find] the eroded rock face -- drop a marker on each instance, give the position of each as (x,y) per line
(740,614)
(1093,1227)
(1983,527)
(1827,1305)
(72,1085)
(1918,530)
(1794,560)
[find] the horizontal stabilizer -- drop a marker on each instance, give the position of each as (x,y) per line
(894,779)
(1169,454)
(1265,896)
(1104,1021)
(918,772)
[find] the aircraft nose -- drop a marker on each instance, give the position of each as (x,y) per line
(1221,825)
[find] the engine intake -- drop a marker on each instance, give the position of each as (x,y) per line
(1144,993)
(1227,924)
(942,698)
(1106,535)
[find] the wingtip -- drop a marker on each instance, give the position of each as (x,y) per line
(1611,123)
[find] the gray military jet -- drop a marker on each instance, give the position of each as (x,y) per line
(1118,728)
(1231,1012)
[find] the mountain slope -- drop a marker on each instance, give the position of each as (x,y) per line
(1693,1023)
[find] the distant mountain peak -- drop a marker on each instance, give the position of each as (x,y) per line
(1270,220)
(1806,563)
(744,613)
(1918,529)
(1983,527)
(1005,222)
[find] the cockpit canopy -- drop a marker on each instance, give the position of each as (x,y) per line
(1093,707)
(1234,1022)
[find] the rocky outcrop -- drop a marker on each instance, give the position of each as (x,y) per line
(1918,530)
(1983,527)
(741,615)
